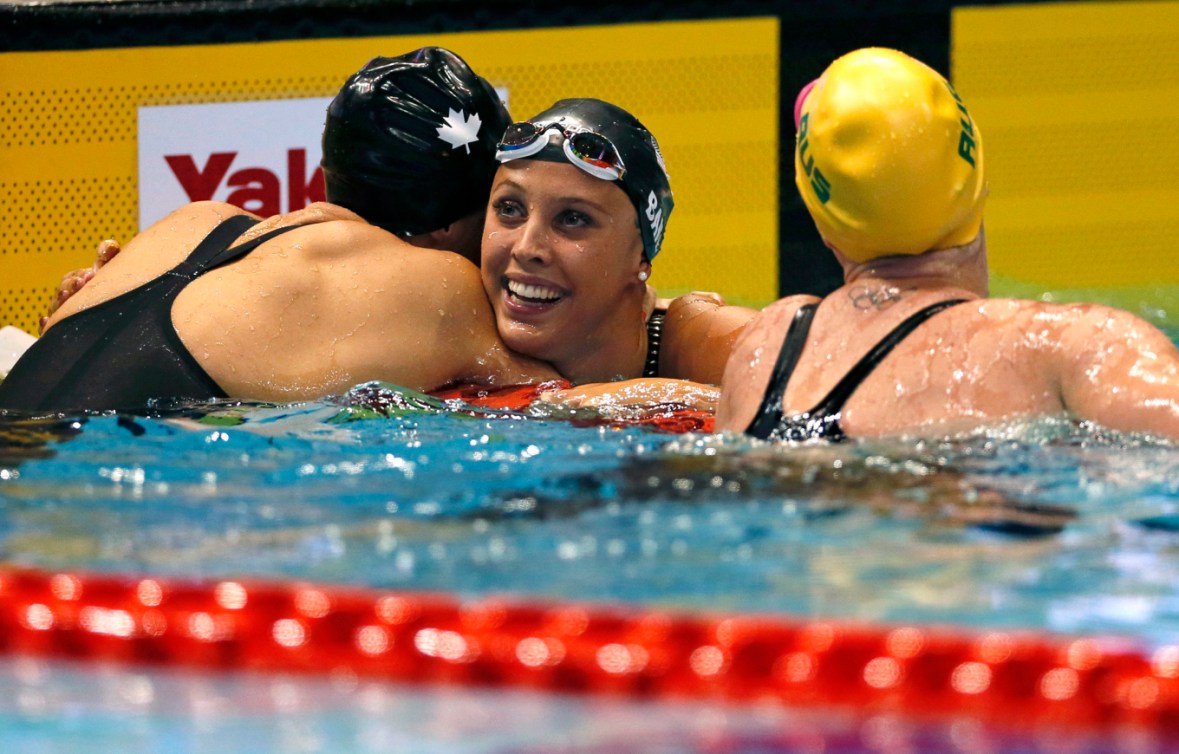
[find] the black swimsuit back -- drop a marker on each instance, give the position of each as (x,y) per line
(822,421)
(125,352)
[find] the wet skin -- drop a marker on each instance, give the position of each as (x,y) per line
(561,261)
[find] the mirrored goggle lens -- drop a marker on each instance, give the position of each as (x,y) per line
(520,135)
(597,151)
(520,140)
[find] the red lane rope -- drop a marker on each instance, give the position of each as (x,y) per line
(1012,679)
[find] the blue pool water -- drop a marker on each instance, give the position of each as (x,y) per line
(1046,526)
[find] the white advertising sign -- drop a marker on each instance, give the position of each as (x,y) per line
(262,156)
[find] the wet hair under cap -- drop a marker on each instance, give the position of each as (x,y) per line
(645,182)
(409,143)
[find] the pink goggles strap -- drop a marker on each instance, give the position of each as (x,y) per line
(801,98)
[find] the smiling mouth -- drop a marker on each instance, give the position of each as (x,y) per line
(531,294)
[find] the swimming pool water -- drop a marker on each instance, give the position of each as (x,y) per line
(1047,526)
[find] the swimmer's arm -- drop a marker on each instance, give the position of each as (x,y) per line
(1120,371)
(474,340)
(646,391)
(654,301)
(698,335)
(505,367)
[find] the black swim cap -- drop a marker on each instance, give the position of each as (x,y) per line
(409,143)
(645,179)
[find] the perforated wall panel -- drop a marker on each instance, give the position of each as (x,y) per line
(707,89)
(1077,105)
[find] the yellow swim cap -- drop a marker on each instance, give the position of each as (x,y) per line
(887,159)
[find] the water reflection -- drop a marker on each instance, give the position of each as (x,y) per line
(1046,525)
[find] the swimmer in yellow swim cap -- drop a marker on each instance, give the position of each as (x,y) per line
(890,165)
(888,159)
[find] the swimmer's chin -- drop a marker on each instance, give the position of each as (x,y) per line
(523,338)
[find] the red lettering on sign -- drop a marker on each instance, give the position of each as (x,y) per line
(257,191)
(302,191)
(200,184)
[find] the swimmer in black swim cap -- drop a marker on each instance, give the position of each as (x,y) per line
(398,124)
(317,300)
(578,211)
(608,143)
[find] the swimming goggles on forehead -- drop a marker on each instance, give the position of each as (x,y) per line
(592,152)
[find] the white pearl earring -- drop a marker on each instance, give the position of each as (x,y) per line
(643,275)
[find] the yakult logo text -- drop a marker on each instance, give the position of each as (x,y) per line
(256,189)
(261,156)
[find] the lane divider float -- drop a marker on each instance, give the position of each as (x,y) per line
(1009,678)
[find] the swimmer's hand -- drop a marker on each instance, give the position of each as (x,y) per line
(706,297)
(647,391)
(74,280)
(654,301)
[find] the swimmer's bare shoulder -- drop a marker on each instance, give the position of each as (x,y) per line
(158,248)
(450,312)
(353,303)
(751,361)
(1093,361)
(319,212)
(1117,369)
(166,243)
(468,333)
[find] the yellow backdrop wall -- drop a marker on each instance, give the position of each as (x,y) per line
(707,89)
(1077,104)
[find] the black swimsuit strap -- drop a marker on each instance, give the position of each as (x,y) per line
(209,254)
(823,420)
(124,352)
(832,405)
(214,251)
(221,237)
(769,413)
(654,341)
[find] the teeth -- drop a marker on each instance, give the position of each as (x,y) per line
(535,292)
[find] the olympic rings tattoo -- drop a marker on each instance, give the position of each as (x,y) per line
(864,297)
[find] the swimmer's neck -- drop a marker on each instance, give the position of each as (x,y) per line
(622,360)
(616,351)
(961,267)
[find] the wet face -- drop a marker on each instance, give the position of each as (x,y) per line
(561,262)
